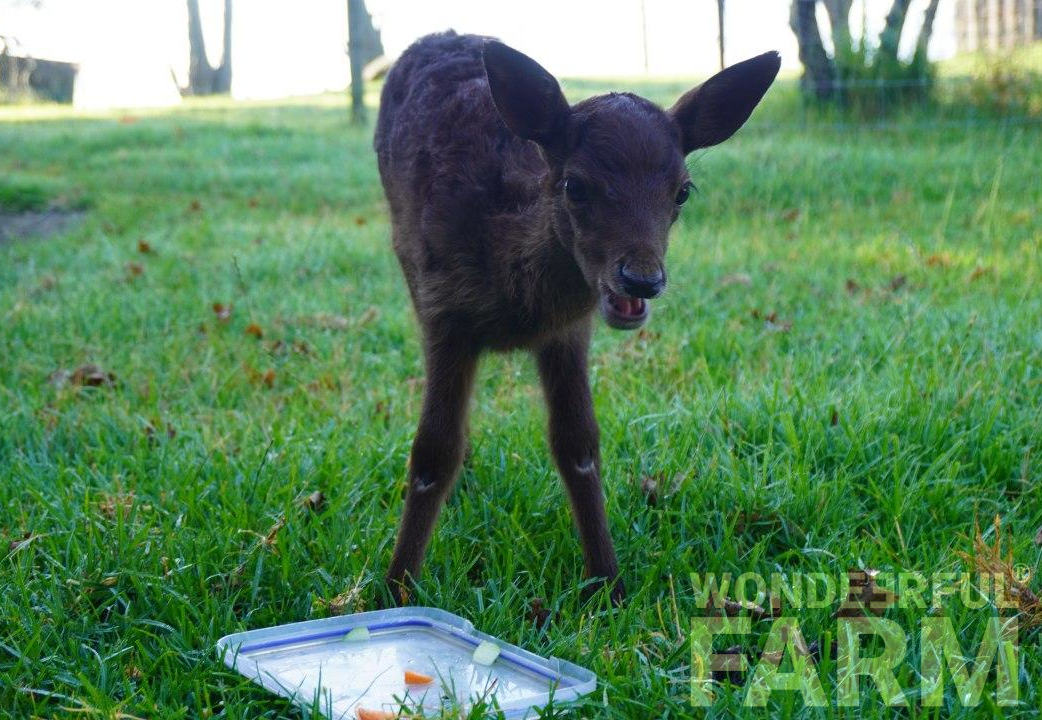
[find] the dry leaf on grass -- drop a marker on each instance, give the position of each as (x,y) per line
(773,324)
(152,433)
(736,279)
(731,608)
(92,376)
(144,247)
(326,321)
(83,376)
(255,330)
(649,488)
(222,311)
(268,540)
(989,560)
(730,666)
(315,502)
(257,377)
(371,313)
(348,601)
(865,595)
(23,542)
(273,533)
(537,612)
(116,505)
(133,672)
(979,272)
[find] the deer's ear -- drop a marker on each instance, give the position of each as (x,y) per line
(714,110)
(527,97)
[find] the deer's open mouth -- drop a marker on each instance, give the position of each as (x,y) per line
(623,312)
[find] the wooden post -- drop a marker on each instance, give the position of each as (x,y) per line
(720,27)
(355,11)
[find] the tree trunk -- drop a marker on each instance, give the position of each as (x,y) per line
(819,72)
(839,20)
(923,44)
(200,74)
(890,38)
(355,51)
(720,26)
(203,78)
(222,81)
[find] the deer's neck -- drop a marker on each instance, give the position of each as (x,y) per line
(551,284)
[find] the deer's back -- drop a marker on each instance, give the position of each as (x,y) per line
(458,182)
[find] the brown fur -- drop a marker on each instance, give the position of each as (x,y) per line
(514,216)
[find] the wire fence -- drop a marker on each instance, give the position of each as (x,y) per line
(998,100)
(880,77)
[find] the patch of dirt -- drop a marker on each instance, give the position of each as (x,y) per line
(37,224)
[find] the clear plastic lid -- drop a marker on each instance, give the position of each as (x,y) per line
(323,665)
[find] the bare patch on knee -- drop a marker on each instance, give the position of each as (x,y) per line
(586,466)
(423,483)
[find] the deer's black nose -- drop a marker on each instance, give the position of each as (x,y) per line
(641,285)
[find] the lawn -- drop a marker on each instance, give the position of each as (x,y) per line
(846,372)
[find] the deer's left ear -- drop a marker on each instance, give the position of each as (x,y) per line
(527,97)
(714,110)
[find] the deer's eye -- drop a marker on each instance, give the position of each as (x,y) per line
(575,189)
(684,193)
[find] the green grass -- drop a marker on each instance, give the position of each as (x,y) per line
(18,196)
(846,372)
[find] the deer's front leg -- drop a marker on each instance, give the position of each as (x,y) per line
(437,453)
(574,439)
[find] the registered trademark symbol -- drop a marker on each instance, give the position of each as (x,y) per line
(1021,573)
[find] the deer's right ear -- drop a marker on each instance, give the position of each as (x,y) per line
(526,96)
(715,110)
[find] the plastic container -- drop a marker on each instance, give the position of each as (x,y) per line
(317,666)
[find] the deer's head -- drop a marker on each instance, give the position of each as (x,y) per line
(617,177)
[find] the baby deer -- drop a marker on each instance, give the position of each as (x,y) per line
(514,216)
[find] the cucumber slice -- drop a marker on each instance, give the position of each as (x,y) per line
(486,653)
(358,634)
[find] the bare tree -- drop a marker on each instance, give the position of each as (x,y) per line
(824,74)
(819,70)
(927,32)
(355,9)
(839,22)
(363,46)
(203,78)
(720,28)
(890,38)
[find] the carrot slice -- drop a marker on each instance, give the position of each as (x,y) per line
(364,714)
(415,678)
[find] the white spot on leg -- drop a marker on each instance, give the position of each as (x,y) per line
(586,467)
(422,484)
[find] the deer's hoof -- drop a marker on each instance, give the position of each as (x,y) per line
(616,590)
